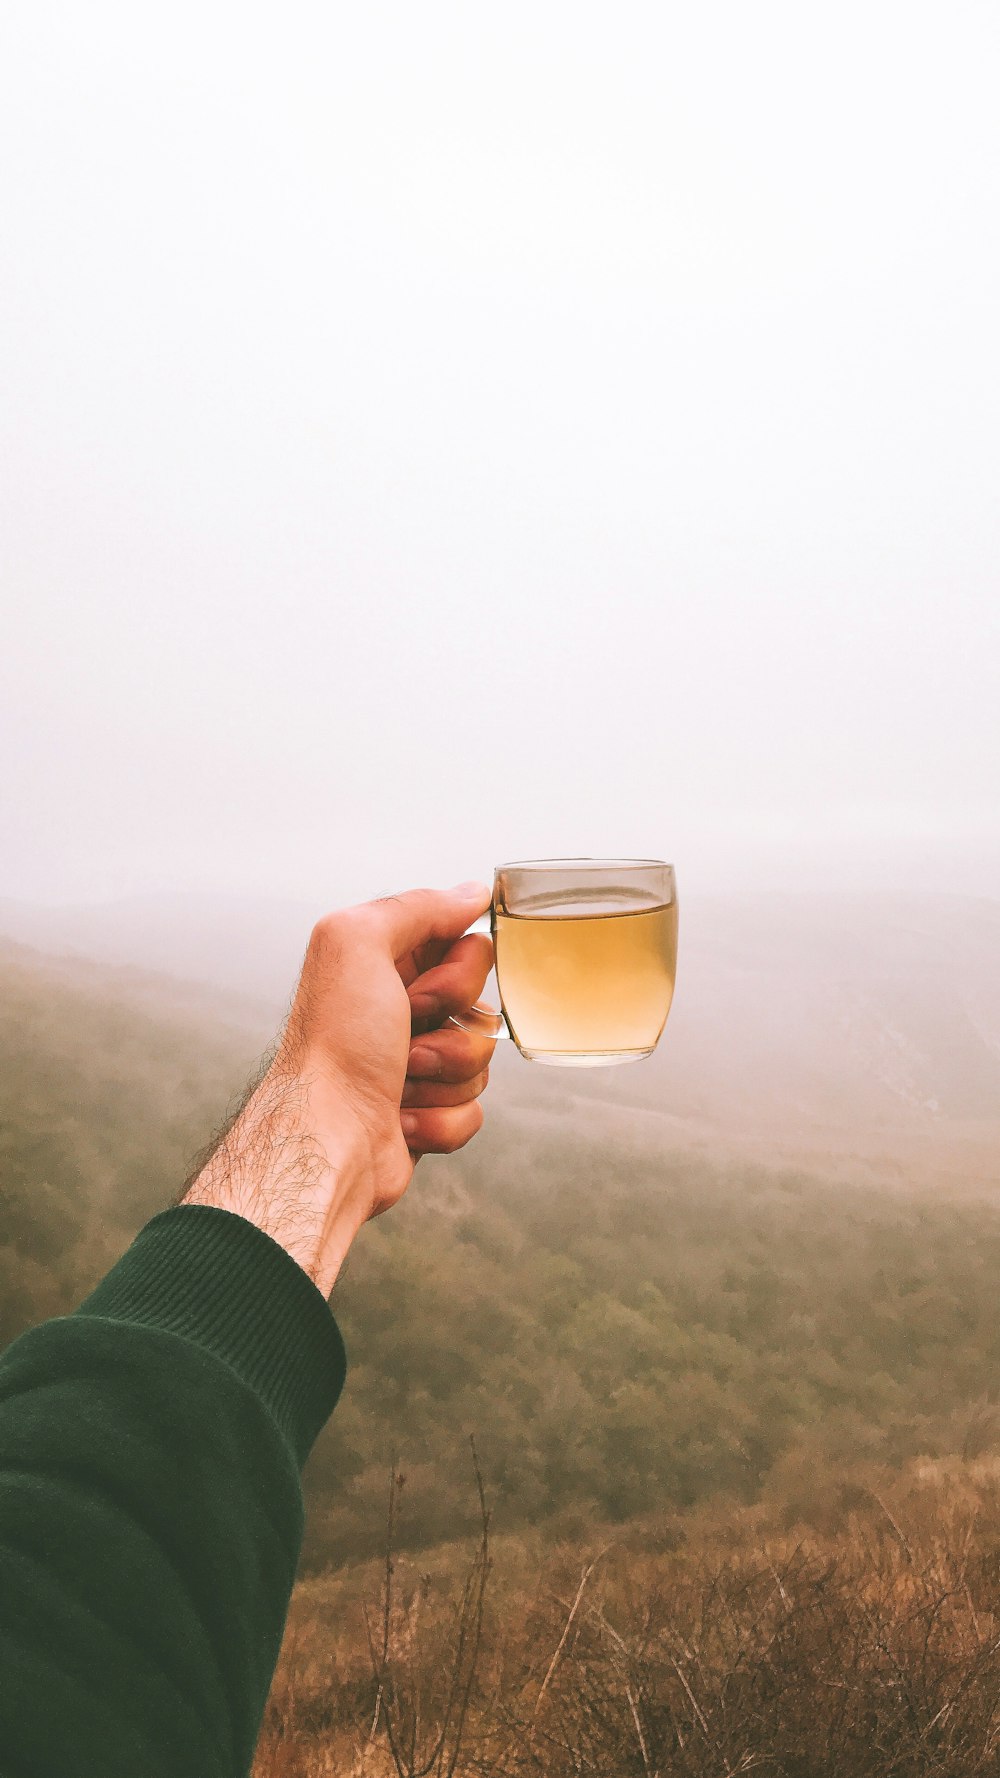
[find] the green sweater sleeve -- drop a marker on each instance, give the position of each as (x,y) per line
(150,1504)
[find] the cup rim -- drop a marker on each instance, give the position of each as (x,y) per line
(585,864)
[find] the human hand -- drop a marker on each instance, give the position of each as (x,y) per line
(367,1076)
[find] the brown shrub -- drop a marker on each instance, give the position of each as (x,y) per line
(870,1653)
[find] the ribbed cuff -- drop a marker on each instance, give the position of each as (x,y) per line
(219,1281)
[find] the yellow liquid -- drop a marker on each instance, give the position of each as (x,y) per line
(580,986)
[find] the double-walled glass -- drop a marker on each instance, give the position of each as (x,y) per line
(586,954)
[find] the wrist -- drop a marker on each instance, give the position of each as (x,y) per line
(296,1164)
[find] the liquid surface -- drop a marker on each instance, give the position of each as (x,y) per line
(575,983)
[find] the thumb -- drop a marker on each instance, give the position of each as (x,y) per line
(412,918)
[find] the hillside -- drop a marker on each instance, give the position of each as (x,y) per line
(110,1081)
(857,1035)
(627,1324)
(867,1646)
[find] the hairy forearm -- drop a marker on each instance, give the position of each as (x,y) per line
(292,1162)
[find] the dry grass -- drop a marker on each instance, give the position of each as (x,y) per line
(869,1651)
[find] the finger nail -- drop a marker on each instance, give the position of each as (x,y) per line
(425,1006)
(424,1063)
(473,891)
(408,1122)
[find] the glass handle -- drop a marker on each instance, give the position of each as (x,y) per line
(482,1020)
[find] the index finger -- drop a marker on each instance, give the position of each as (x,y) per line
(419,915)
(456,982)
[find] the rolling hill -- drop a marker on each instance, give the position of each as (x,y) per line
(856,1034)
(626,1288)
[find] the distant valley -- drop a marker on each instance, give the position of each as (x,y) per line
(859,1035)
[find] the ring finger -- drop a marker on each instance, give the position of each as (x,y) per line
(437,1092)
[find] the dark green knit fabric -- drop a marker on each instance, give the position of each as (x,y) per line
(150,1504)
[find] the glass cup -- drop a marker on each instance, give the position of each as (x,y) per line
(585,953)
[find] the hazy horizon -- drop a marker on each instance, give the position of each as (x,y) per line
(857,1036)
(432,437)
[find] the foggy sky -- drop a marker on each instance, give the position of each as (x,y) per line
(438,434)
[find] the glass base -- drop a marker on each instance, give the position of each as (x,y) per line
(585,1058)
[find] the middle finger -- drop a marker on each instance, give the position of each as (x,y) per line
(449,1054)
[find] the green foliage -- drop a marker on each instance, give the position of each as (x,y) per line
(107,1093)
(626,1331)
(633,1337)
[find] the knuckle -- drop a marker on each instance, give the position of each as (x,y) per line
(403,898)
(321,931)
(328,930)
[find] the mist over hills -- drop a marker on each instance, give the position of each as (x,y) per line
(252,947)
(857,1033)
(863,1029)
(630,1317)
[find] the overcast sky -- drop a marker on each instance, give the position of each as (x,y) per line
(440,433)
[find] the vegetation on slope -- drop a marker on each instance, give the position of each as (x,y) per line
(735,1426)
(629,1332)
(109,1085)
(625,1331)
(868,1650)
